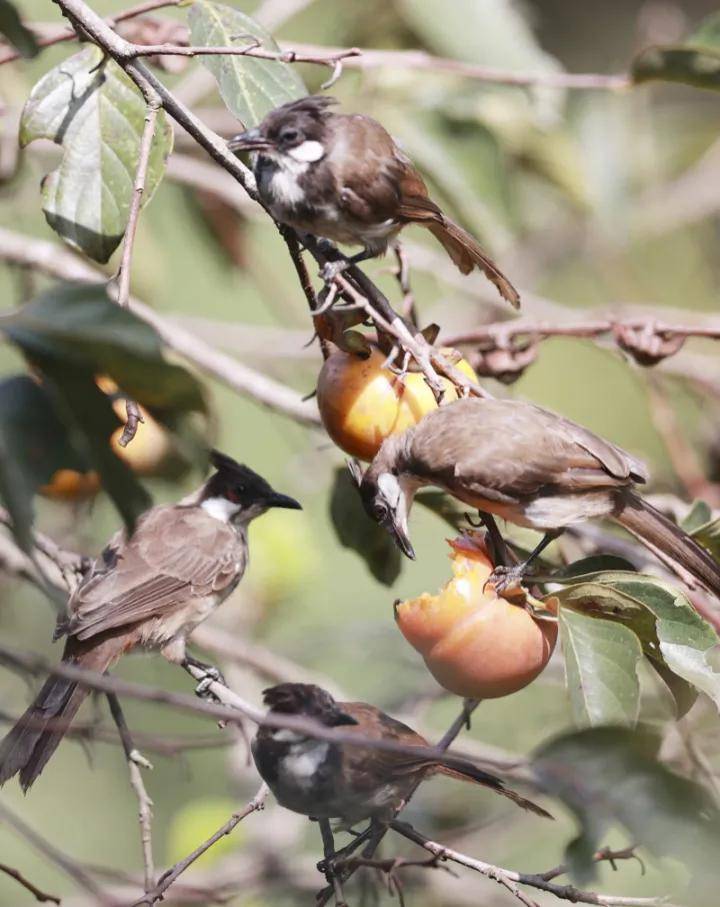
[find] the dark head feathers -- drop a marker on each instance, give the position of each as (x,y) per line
(315,105)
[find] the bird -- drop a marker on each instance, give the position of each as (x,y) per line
(325,780)
(343,178)
(148,591)
(529,466)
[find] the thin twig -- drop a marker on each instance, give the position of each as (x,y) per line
(136,761)
(38,893)
(152,896)
(511,879)
(231,708)
(69,34)
(69,866)
(366,58)
(134,417)
(60,262)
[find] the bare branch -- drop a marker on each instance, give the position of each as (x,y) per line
(168,878)
(510,879)
(135,762)
(69,34)
(365,58)
(134,418)
(69,866)
(59,262)
(39,895)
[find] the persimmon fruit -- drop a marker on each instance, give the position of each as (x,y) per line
(361,402)
(475,643)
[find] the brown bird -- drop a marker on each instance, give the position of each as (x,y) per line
(326,780)
(527,465)
(342,177)
(147,591)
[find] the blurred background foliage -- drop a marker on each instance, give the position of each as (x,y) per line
(592,199)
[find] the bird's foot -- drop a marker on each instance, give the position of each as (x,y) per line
(331,269)
(506,579)
(207,675)
(136,757)
(203,689)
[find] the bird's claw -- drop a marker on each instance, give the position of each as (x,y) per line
(331,269)
(137,757)
(506,579)
(203,689)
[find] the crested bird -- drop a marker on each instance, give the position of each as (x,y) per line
(527,465)
(343,178)
(147,591)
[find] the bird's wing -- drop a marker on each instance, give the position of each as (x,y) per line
(371,768)
(374,185)
(507,450)
(175,554)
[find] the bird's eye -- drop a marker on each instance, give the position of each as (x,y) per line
(380,512)
(288,135)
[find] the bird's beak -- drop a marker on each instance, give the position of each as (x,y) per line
(400,537)
(282,500)
(252,140)
(343,718)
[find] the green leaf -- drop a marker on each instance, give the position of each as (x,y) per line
(678,64)
(250,87)
(707,34)
(34,444)
(90,107)
(357,531)
(591,566)
(601,659)
(694,62)
(611,775)
(669,628)
(74,333)
(699,514)
(708,535)
(12,27)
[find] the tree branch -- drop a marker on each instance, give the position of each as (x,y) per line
(510,879)
(59,262)
(168,878)
(39,895)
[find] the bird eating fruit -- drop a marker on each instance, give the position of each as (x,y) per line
(342,177)
(527,465)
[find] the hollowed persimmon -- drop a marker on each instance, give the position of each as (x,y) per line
(474,643)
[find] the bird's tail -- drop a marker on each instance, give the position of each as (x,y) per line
(467,254)
(465,771)
(644,521)
(32,741)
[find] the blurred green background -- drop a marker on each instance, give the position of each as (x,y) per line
(591,199)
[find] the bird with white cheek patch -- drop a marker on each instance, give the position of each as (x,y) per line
(148,591)
(326,780)
(342,177)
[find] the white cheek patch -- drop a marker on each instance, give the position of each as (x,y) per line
(220,508)
(308,152)
(390,488)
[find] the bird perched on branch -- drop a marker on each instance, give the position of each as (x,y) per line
(327,780)
(342,177)
(527,465)
(146,591)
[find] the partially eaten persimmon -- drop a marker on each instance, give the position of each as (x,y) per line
(474,643)
(362,401)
